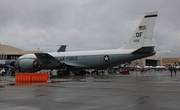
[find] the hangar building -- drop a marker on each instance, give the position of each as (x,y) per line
(155,61)
(8,52)
(148,61)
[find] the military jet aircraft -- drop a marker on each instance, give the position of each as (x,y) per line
(139,46)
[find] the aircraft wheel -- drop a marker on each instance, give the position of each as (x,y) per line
(19,69)
(3,73)
(82,72)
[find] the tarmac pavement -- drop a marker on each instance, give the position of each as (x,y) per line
(147,91)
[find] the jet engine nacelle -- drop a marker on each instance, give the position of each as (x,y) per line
(29,65)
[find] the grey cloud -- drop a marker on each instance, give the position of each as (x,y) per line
(84,24)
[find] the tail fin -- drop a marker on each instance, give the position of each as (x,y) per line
(62,48)
(142,37)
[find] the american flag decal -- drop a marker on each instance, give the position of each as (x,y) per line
(142,27)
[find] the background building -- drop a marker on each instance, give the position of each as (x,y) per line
(155,61)
(9,53)
(168,61)
(148,61)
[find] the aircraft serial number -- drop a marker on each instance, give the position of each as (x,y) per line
(136,40)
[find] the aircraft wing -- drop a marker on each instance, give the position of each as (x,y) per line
(47,59)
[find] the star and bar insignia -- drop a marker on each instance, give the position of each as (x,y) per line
(106,58)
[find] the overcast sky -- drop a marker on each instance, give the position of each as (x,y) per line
(86,24)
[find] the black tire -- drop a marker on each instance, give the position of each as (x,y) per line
(3,73)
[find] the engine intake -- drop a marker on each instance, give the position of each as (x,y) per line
(29,65)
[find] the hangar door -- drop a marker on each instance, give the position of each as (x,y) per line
(152,62)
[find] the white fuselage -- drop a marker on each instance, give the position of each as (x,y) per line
(91,59)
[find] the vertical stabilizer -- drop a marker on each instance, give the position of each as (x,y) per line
(62,48)
(142,37)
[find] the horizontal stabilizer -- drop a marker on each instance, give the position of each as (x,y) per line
(144,50)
